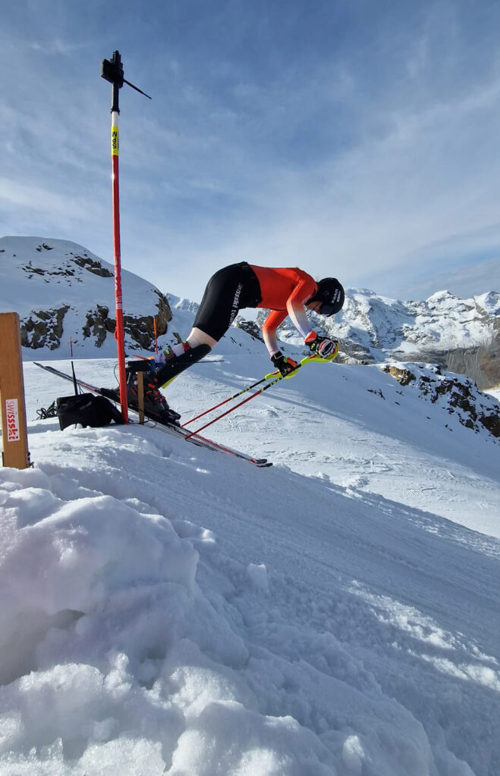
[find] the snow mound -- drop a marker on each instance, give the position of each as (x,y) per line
(170,610)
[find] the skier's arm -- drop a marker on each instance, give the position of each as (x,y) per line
(297,312)
(269,327)
(295,308)
(295,305)
(299,319)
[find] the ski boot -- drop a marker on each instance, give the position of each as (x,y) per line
(155,405)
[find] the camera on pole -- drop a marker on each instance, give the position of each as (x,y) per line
(112,71)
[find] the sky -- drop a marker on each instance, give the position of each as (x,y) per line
(348,137)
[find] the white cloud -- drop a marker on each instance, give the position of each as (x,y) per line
(369,153)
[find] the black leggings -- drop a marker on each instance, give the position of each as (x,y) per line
(228,291)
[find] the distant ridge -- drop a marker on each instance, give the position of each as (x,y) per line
(62,290)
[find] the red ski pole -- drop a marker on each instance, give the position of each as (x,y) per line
(306,360)
(225,401)
(240,404)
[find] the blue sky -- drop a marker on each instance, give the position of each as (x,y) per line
(356,138)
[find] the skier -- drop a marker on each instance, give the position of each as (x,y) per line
(284,291)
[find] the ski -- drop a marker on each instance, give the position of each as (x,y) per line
(169,428)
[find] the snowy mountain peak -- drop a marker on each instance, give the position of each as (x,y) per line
(459,334)
(61,290)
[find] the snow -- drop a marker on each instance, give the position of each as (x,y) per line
(166,609)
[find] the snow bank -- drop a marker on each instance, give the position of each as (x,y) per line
(170,610)
(112,657)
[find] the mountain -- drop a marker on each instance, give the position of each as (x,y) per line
(462,335)
(63,291)
(170,611)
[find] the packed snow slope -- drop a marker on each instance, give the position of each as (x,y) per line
(166,609)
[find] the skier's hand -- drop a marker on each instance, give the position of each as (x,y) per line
(284,364)
(322,346)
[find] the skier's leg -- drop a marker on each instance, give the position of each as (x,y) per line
(196,337)
(177,364)
(199,337)
(228,290)
(221,302)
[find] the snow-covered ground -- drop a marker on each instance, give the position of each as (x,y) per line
(170,610)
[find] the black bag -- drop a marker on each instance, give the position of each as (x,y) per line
(87,410)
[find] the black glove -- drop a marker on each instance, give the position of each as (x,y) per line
(323,346)
(284,364)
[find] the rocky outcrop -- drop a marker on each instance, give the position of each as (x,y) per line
(402,375)
(92,265)
(251,327)
(140,329)
(459,395)
(62,292)
(43,328)
(98,324)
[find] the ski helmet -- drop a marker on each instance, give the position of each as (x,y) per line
(331,295)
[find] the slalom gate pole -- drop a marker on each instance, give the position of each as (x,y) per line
(156,337)
(112,71)
(273,380)
(75,385)
(119,334)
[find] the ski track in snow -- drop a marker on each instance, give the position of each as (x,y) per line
(172,610)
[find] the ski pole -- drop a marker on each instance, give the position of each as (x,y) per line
(225,401)
(273,380)
(240,404)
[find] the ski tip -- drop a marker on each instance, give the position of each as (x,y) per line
(263,462)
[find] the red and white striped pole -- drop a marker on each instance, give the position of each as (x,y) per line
(112,71)
(119,333)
